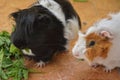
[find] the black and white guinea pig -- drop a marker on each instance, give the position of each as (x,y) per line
(45,28)
(100,45)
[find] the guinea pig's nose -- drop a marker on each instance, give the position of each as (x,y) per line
(77,54)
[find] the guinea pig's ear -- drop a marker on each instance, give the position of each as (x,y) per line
(15,15)
(106,34)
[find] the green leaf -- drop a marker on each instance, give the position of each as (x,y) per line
(3,76)
(25,74)
(13,49)
(7,62)
(81,59)
(81,0)
(11,60)
(1,42)
(7,40)
(36,71)
(19,74)
(1,57)
(27,50)
(5,34)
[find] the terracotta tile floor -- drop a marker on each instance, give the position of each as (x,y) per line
(64,66)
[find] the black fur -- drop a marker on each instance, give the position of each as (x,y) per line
(39,30)
(68,10)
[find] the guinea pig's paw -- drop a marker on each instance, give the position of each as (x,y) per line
(108,70)
(40,64)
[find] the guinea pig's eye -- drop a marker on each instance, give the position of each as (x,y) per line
(91,43)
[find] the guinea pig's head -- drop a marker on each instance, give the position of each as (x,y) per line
(34,27)
(93,46)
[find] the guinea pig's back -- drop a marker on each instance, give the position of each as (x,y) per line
(111,24)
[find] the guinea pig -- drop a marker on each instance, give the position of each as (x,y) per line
(100,44)
(45,28)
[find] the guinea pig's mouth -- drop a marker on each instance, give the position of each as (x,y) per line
(28,51)
(80,54)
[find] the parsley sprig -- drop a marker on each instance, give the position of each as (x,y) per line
(11,60)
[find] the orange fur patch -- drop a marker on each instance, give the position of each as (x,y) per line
(99,49)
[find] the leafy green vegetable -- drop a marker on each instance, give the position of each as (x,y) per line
(81,59)
(27,50)
(3,76)
(81,0)
(1,57)
(11,60)
(13,49)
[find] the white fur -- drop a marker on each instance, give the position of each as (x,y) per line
(72,28)
(29,52)
(80,47)
(55,8)
(71,25)
(113,26)
(40,64)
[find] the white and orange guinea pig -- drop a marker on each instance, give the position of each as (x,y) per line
(100,45)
